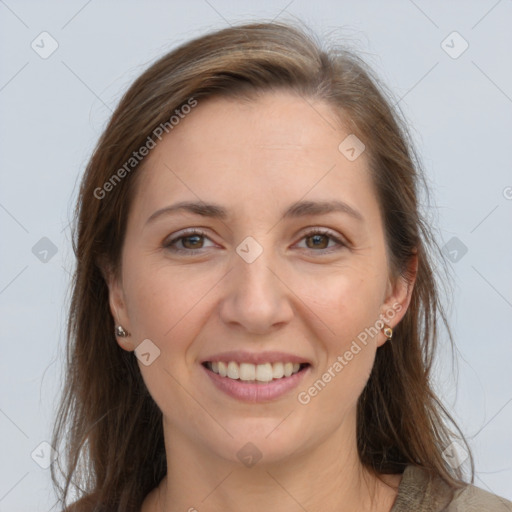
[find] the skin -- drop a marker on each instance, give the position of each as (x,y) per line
(256,158)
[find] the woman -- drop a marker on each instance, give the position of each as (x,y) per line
(249,235)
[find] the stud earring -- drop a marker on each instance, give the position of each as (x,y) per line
(121,332)
(388,331)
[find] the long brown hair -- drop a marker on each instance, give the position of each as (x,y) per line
(113,451)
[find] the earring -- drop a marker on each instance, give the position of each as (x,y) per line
(388,331)
(121,332)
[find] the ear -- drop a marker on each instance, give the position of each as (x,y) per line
(117,303)
(398,296)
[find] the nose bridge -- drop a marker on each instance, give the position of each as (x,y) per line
(253,264)
(256,298)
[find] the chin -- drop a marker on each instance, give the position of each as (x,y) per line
(262,441)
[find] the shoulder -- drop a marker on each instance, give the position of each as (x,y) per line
(421,491)
(473,498)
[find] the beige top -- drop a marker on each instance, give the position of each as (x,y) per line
(420,493)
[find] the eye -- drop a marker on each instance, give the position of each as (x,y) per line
(191,240)
(320,240)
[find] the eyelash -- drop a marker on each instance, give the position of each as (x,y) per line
(197,232)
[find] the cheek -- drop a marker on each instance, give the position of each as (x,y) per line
(348,306)
(161,298)
(346,301)
(165,306)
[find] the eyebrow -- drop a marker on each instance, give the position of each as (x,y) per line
(296,210)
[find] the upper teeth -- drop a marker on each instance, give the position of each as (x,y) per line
(260,372)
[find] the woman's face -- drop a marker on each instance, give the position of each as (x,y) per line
(257,284)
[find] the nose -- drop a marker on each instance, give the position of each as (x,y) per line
(256,298)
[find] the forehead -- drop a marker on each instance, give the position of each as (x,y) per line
(240,151)
(270,120)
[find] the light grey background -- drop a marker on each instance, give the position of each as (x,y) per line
(53,111)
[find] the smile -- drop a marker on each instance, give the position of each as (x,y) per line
(255,383)
(254,373)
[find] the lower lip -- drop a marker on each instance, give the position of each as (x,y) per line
(250,392)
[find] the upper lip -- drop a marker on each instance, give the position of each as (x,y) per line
(256,357)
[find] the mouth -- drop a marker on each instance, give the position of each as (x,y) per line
(256,383)
(250,373)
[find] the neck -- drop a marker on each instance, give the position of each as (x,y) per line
(329,476)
